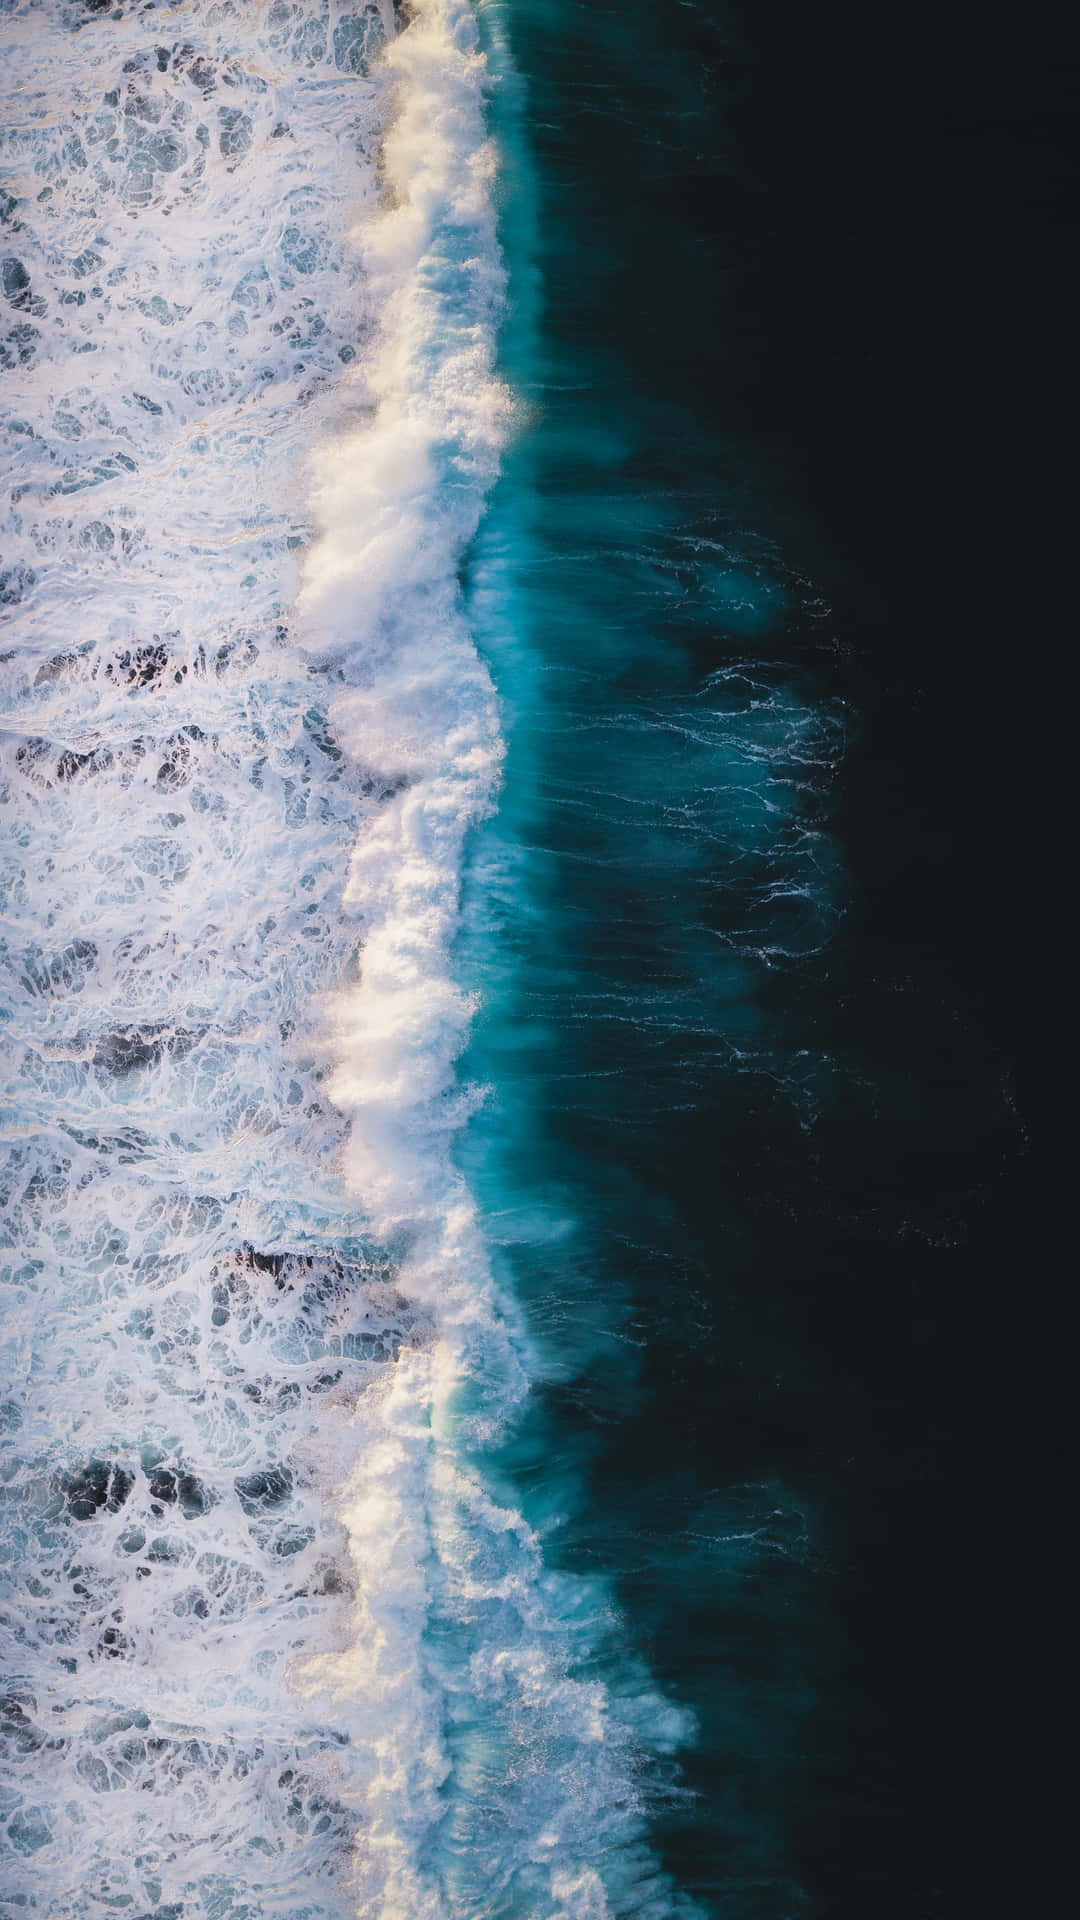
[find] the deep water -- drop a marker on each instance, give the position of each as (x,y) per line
(767,1031)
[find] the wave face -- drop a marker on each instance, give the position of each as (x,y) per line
(276,1641)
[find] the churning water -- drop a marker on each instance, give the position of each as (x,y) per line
(277,1635)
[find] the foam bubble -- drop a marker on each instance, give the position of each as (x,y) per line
(277,1646)
(189,1309)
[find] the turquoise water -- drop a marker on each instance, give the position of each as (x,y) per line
(640,916)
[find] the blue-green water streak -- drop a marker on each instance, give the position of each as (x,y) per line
(659,860)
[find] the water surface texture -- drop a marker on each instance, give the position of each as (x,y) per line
(274,1644)
(490,1123)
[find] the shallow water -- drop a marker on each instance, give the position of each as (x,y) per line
(273,1644)
(507,1135)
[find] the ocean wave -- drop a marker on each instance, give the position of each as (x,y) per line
(276,1641)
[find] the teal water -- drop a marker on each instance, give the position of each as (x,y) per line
(659,883)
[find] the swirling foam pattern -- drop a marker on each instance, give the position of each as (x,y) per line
(272,1647)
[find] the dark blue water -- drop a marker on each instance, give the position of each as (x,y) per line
(768,1020)
(620,1481)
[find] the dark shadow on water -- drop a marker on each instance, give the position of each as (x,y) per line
(772,1011)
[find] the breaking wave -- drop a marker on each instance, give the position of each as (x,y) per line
(276,1643)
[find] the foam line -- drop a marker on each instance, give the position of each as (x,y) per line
(278,1646)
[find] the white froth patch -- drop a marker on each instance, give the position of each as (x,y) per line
(501,1779)
(275,1648)
(397,501)
(188,1312)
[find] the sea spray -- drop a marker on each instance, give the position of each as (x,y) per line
(397,497)
(397,500)
(276,1641)
(501,1782)
(188,1307)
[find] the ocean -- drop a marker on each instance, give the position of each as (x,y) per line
(529,998)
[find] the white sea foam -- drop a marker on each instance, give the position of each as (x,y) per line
(188,1312)
(502,1780)
(273,1646)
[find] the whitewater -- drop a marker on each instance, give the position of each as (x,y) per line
(274,1640)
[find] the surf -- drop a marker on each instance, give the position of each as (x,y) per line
(278,1636)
